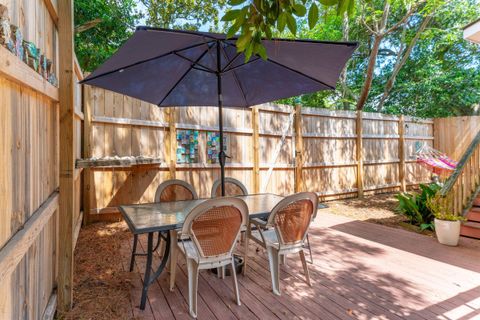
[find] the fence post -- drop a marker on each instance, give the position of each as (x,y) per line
(67,155)
(88,182)
(401,153)
(256,149)
(171,142)
(359,140)
(298,149)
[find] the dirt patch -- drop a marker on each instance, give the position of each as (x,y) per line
(102,284)
(380,209)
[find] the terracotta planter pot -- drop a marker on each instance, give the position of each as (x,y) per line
(448,232)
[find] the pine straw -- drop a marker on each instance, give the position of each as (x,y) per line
(379,209)
(102,283)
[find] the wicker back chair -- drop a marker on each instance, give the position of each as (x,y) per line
(175,190)
(233,187)
(285,231)
(170,190)
(207,240)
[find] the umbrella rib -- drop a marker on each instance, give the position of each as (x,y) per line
(300,73)
(197,63)
(243,64)
(231,62)
(236,78)
(144,61)
(184,75)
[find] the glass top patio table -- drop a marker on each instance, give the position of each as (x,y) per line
(164,216)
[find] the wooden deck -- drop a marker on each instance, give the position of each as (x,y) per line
(360,271)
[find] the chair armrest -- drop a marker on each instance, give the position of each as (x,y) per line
(259,223)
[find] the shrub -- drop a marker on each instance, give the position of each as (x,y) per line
(414,205)
(440,209)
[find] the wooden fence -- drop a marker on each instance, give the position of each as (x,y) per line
(453,135)
(273,149)
(33,243)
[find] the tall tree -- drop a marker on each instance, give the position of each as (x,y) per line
(101,27)
(183,14)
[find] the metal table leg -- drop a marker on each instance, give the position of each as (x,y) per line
(150,278)
(134,249)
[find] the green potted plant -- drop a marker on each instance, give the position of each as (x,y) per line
(447,224)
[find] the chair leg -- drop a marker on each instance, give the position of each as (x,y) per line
(309,249)
(273,261)
(305,267)
(192,268)
(235,283)
(173,258)
(245,257)
(283,259)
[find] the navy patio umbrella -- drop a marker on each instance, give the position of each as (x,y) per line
(187,68)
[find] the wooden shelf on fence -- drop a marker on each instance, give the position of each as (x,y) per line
(16,70)
(119,162)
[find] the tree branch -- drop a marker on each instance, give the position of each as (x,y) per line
(409,13)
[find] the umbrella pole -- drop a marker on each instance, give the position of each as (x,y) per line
(221,155)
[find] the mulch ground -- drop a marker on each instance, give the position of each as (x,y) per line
(102,283)
(379,209)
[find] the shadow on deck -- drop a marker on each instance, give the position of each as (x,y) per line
(360,271)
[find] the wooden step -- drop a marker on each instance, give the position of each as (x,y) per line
(471,229)
(473,214)
(476,202)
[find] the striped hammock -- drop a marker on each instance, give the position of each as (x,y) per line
(434,159)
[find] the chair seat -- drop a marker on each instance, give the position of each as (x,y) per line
(269,235)
(187,247)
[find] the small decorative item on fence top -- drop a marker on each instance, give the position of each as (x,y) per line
(5,32)
(32,55)
(17,39)
(11,37)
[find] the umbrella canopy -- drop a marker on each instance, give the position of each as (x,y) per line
(186,68)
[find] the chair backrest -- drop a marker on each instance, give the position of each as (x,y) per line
(175,190)
(233,187)
(292,216)
(214,226)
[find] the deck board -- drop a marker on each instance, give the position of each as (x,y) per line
(360,271)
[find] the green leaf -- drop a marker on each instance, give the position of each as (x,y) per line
(329,2)
(243,41)
(282,21)
(248,51)
(291,24)
(261,51)
(342,7)
(268,32)
(233,30)
(312,16)
(299,9)
(235,2)
(231,15)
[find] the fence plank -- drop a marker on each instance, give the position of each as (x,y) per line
(256,149)
(67,155)
(401,153)
(298,149)
(359,146)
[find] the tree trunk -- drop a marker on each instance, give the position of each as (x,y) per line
(369,74)
(378,36)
